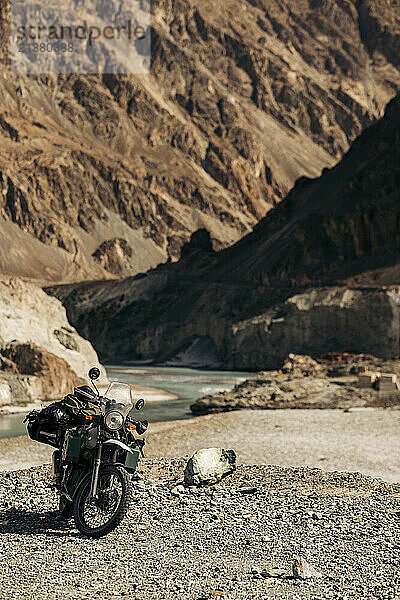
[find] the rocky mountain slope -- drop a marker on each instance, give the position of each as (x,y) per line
(109,175)
(40,358)
(319,273)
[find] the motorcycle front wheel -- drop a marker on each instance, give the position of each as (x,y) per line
(95,517)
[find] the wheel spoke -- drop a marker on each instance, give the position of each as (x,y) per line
(98,511)
(98,516)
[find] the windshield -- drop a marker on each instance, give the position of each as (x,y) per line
(120,393)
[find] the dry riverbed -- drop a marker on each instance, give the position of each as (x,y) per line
(365,440)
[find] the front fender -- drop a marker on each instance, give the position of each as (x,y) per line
(118,443)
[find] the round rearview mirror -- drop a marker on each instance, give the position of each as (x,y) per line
(94,373)
(139,404)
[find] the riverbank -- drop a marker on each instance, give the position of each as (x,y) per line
(148,393)
(168,392)
(365,440)
(234,541)
(331,382)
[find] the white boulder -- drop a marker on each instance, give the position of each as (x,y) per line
(209,465)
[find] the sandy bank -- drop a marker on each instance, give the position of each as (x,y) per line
(150,394)
(365,440)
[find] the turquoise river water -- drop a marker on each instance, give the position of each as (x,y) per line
(187,384)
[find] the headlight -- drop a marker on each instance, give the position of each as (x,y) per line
(114,420)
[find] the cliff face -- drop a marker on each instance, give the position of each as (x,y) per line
(242,100)
(320,273)
(41,356)
(318,321)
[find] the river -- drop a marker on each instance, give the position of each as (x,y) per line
(186,384)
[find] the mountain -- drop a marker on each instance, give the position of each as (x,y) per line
(320,273)
(106,176)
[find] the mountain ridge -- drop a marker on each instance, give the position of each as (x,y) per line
(241,102)
(326,259)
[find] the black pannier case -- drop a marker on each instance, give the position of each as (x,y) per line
(47,426)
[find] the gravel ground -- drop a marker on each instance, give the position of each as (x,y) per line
(216,542)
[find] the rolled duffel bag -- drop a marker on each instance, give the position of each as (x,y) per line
(48,425)
(81,405)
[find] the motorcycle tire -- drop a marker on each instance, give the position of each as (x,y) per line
(66,508)
(82,497)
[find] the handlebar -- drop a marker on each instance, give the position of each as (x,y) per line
(141,426)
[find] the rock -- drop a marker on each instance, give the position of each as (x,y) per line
(20,390)
(7,365)
(344,311)
(41,356)
(209,465)
(115,256)
(247,490)
(66,338)
(274,572)
(337,364)
(200,242)
(56,376)
(29,315)
(274,390)
(5,393)
(300,364)
(303,570)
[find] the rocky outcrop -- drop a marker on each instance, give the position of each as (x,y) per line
(114,256)
(239,104)
(200,241)
(318,388)
(319,274)
(52,375)
(317,321)
(272,391)
(41,356)
(300,365)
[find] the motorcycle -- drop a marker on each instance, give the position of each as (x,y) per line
(97,453)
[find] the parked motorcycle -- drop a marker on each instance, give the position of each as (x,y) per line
(97,452)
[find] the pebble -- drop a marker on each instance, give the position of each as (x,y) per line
(303,570)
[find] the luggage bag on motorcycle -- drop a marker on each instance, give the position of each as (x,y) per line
(82,404)
(47,426)
(131,460)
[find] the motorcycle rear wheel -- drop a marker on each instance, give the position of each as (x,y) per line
(95,518)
